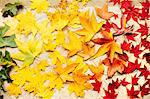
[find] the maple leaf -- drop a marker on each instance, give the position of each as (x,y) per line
(80,83)
(29,50)
(144,72)
(132,67)
(107,26)
(87,50)
(123,29)
(11,9)
(40,5)
(98,71)
(6,65)
(147,56)
(110,95)
(73,40)
(64,72)
(135,80)
(27,23)
(62,75)
(115,1)
(90,26)
(114,85)
(125,46)
(116,65)
(6,41)
(13,89)
(132,93)
(59,20)
(103,12)
(145,10)
(145,43)
(109,45)
(143,29)
(132,12)
(115,16)
(63,4)
(123,56)
(130,36)
(135,50)
(126,4)
(97,85)
(124,83)
(144,90)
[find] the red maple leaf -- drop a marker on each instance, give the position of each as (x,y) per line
(145,43)
(132,12)
(115,1)
(135,80)
(147,56)
(110,95)
(133,93)
(97,85)
(123,56)
(143,29)
(126,4)
(144,72)
(145,10)
(124,83)
(115,16)
(144,90)
(107,26)
(132,67)
(114,85)
(136,50)
(125,46)
(130,36)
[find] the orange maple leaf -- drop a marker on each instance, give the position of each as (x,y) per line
(103,12)
(108,45)
(118,65)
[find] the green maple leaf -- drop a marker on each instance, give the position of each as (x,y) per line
(11,9)
(6,62)
(6,41)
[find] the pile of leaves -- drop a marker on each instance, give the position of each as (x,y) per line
(72,40)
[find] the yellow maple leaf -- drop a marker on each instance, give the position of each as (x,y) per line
(98,71)
(58,20)
(40,5)
(13,89)
(48,38)
(28,50)
(61,75)
(27,23)
(80,83)
(56,55)
(73,45)
(90,26)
